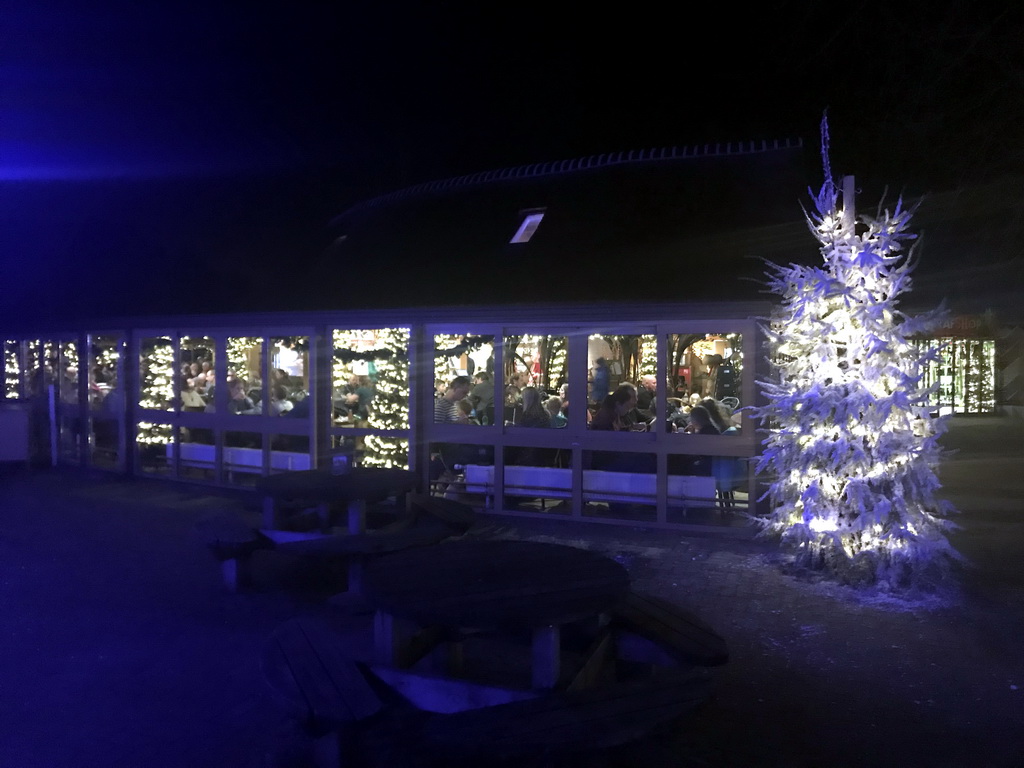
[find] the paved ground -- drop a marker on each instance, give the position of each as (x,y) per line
(119,648)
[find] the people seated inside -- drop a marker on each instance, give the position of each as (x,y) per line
(191,400)
(279,402)
(719,417)
(300,405)
(446,410)
(238,401)
(554,407)
(613,415)
(482,397)
(647,397)
(355,398)
(700,422)
(513,403)
(467,409)
(532,412)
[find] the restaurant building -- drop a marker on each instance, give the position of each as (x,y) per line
(643,265)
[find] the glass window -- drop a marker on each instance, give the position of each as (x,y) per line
(106,400)
(156,373)
(617,366)
(155,445)
(12,369)
(386,451)
(619,485)
(197,374)
(51,365)
(535,377)
(68,372)
(70,420)
(370,391)
(370,378)
(537,479)
(289,453)
(964,370)
(245,375)
(706,371)
(32,378)
(458,396)
(288,382)
(243,457)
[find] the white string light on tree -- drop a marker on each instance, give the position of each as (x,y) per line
(12,369)
(851,450)
(382,355)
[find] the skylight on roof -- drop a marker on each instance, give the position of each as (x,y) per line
(530,223)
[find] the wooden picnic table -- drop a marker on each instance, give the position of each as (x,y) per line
(492,585)
(321,488)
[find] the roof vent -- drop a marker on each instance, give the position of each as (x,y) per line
(531,220)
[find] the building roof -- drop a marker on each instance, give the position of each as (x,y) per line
(673,225)
(659,225)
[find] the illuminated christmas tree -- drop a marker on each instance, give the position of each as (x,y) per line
(12,370)
(156,388)
(851,450)
(384,355)
(239,351)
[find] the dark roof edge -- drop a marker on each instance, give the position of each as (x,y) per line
(557,167)
(588,315)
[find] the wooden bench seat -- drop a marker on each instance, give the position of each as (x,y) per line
(455,514)
(573,721)
(305,663)
(656,631)
(232,541)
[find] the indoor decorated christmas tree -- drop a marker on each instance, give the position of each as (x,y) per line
(851,450)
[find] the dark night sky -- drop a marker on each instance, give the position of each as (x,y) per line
(242,129)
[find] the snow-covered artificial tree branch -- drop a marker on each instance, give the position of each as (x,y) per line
(851,450)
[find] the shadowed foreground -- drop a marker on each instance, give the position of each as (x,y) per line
(120,647)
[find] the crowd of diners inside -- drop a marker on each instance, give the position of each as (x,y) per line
(286,394)
(628,407)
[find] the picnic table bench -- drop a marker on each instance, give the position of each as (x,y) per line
(477,585)
(232,541)
(305,663)
(656,631)
(570,721)
(425,520)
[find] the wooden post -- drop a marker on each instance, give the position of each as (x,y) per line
(357,516)
(269,512)
(547,648)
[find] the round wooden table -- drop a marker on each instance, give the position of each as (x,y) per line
(356,488)
(494,585)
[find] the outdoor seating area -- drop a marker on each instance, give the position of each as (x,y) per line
(505,647)
(129,648)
